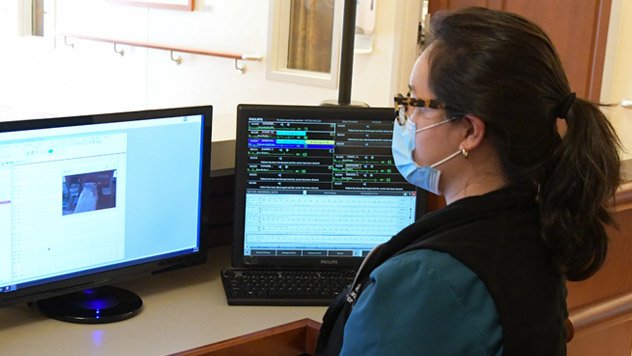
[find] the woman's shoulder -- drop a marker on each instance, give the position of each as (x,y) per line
(441,275)
(426,265)
(428,301)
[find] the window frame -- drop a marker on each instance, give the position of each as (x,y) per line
(278,42)
(26,21)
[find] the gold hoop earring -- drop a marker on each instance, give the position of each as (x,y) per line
(464,152)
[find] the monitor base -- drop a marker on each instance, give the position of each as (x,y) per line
(93,306)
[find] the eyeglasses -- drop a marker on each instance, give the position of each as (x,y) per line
(403,103)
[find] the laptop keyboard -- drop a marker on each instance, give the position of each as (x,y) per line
(284,287)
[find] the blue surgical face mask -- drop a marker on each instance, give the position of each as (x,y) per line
(424,177)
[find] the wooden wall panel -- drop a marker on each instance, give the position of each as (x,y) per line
(435,5)
(615,277)
(578,29)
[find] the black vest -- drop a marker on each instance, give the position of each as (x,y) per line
(496,235)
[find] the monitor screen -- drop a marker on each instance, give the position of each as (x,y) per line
(317,185)
(91,200)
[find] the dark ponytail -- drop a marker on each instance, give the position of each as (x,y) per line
(505,70)
(581,177)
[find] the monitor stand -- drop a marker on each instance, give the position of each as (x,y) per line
(331,102)
(93,306)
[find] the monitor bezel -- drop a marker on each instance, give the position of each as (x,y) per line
(244,111)
(119,273)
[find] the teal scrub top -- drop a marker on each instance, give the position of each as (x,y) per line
(423,302)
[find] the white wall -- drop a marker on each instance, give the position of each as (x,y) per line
(91,78)
(617,81)
(618,72)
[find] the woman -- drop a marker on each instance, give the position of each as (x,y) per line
(526,202)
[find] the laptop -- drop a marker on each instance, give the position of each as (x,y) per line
(315,190)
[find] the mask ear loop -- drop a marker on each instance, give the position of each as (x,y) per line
(461,151)
(435,124)
(447,158)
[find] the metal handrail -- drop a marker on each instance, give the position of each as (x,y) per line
(241,67)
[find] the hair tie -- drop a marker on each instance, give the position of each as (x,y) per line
(565,105)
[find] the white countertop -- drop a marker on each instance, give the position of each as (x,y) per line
(182,309)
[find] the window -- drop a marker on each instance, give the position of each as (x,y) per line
(26,18)
(310,35)
(43,18)
(304,41)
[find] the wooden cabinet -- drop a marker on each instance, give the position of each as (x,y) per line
(578,29)
(600,307)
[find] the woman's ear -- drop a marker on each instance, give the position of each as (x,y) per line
(474,132)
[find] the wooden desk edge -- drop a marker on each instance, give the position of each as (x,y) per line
(288,339)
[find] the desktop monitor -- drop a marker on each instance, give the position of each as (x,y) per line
(88,201)
(316,186)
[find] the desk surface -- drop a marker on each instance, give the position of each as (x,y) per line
(182,309)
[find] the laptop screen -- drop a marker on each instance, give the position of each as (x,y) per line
(316,186)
